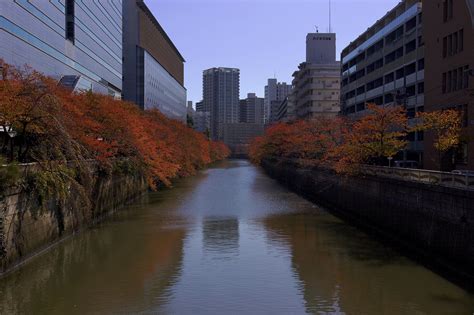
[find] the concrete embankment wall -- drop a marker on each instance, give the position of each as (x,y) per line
(435,223)
(27,227)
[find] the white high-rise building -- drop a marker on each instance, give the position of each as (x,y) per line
(274,91)
(317,81)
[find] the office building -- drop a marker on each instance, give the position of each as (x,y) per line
(449,81)
(202,122)
(221,88)
(274,91)
(200,106)
(75,42)
(251,109)
(153,67)
(237,136)
(385,65)
(316,83)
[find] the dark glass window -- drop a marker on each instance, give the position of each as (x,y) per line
(411,46)
(410,91)
(389,78)
(399,73)
(410,24)
(421,88)
(421,64)
(411,68)
(389,98)
(70,20)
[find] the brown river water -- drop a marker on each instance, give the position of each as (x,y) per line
(227,241)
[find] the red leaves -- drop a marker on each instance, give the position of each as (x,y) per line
(91,126)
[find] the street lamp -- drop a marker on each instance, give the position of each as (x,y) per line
(390,158)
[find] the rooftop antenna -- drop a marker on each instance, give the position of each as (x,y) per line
(329,16)
(316,27)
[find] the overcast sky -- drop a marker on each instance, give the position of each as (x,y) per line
(260,37)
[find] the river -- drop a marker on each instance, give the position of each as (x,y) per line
(229,240)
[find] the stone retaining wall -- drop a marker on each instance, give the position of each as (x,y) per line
(27,228)
(434,222)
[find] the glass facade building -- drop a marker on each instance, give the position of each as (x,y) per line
(161,90)
(153,74)
(81,38)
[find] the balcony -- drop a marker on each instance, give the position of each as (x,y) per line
(374,92)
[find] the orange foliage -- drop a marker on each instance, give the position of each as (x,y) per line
(344,145)
(100,128)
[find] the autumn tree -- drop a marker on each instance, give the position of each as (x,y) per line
(445,127)
(379,134)
(63,132)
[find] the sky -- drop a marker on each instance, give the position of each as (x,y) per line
(263,38)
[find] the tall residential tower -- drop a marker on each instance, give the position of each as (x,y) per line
(221,88)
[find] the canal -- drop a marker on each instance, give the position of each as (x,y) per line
(230,240)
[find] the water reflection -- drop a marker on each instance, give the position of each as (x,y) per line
(221,236)
(229,240)
(124,265)
(343,270)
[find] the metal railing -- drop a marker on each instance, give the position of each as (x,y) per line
(422,176)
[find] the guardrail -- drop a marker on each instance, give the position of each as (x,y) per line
(422,176)
(407,174)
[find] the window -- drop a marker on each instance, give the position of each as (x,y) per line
(420,136)
(460,78)
(421,88)
(461,40)
(410,91)
(447,10)
(461,156)
(455,43)
(450,77)
(69,20)
(400,73)
(410,24)
(450,9)
(466,77)
(454,84)
(450,45)
(421,64)
(443,84)
(378,100)
(411,68)
(445,47)
(378,82)
(411,46)
(420,41)
(389,98)
(389,78)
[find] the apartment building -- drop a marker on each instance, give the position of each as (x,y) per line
(78,44)
(385,65)
(153,70)
(251,109)
(221,88)
(274,92)
(316,83)
(449,83)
